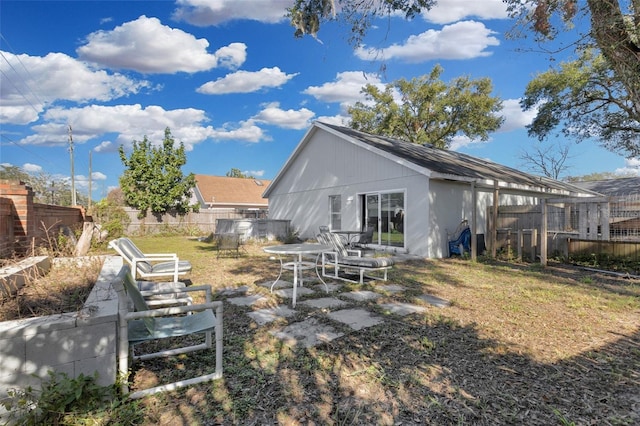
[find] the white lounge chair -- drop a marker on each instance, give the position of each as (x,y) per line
(150,265)
(146,324)
(344,260)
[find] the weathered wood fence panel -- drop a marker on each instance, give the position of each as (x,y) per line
(200,223)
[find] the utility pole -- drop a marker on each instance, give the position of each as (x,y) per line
(73,175)
(89,201)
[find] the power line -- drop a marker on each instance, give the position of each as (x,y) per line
(26,70)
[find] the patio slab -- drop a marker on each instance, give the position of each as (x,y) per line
(264,316)
(233,291)
(332,287)
(402,309)
(247,300)
(288,292)
(307,333)
(357,319)
(391,288)
(362,295)
(324,303)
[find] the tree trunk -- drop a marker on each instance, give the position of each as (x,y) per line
(617,44)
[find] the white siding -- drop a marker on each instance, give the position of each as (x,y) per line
(328,165)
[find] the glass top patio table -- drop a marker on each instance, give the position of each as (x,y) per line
(297,265)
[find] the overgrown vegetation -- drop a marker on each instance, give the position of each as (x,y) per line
(62,400)
(63,289)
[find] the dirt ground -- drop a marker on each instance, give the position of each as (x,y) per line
(519,344)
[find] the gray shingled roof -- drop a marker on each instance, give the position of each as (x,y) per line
(454,163)
(620,186)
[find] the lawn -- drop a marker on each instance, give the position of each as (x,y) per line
(519,344)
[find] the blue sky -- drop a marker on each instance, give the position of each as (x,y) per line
(233,84)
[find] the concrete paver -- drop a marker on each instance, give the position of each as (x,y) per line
(357,319)
(362,295)
(324,303)
(288,292)
(248,300)
(391,288)
(402,309)
(233,291)
(264,316)
(311,332)
(307,333)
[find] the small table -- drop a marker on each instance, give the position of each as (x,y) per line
(349,235)
(297,265)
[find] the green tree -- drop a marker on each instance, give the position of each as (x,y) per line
(598,94)
(237,173)
(430,111)
(153,179)
(584,100)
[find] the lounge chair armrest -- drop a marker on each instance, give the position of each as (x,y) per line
(175,310)
(156,258)
(167,256)
(352,252)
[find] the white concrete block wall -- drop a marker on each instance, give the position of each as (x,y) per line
(73,343)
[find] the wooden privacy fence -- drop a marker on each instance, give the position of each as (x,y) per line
(202,222)
(250,224)
(628,250)
(573,226)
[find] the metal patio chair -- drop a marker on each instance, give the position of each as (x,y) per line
(146,324)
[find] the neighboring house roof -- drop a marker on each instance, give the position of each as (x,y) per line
(620,186)
(224,191)
(439,163)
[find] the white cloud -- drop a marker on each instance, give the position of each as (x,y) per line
(98,176)
(288,119)
(254,173)
(214,12)
(462,40)
(147,46)
(133,122)
(447,11)
(515,117)
(246,81)
(245,131)
(31,168)
(345,89)
(337,120)
(631,167)
(54,77)
(461,141)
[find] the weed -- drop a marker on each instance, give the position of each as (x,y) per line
(64,400)
(563,421)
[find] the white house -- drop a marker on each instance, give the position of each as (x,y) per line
(413,195)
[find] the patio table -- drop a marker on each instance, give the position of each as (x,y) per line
(298,264)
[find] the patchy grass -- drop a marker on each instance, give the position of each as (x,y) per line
(519,344)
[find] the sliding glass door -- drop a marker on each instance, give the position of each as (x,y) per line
(385,212)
